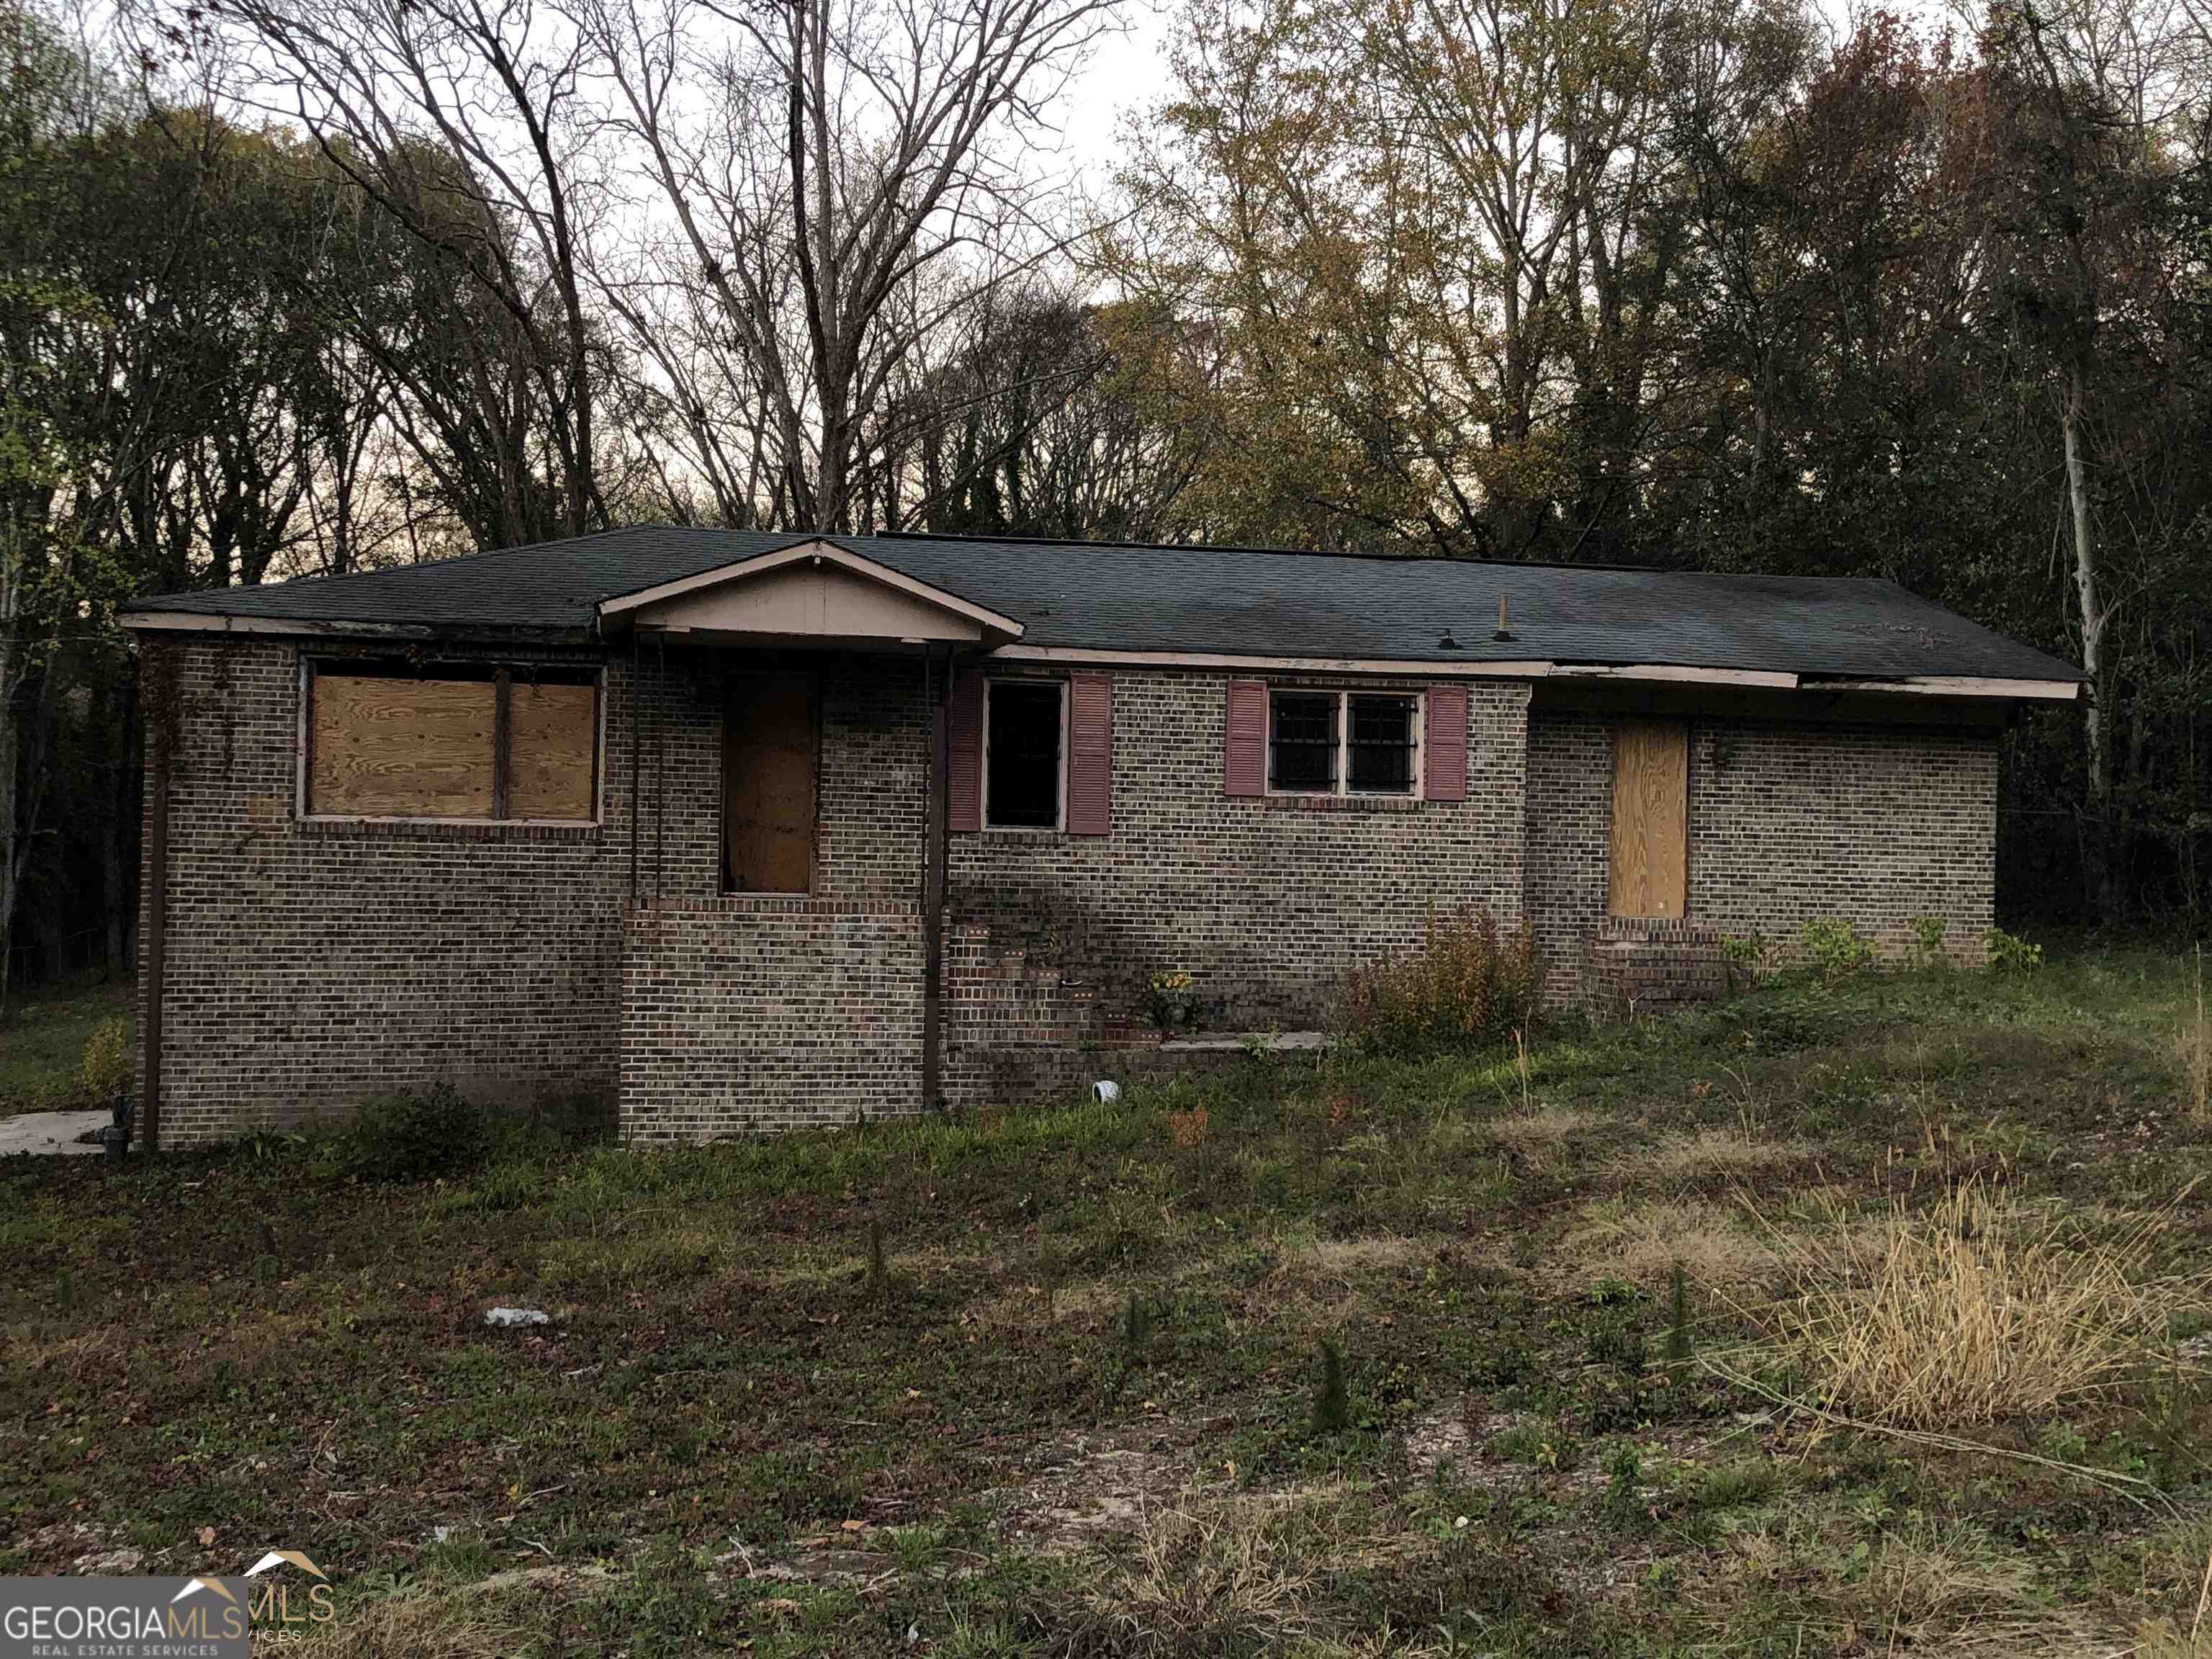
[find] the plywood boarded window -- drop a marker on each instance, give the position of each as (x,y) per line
(770,746)
(554,731)
(1650,852)
(480,744)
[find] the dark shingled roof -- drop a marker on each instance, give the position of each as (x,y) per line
(1229,601)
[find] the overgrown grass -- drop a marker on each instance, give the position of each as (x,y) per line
(1051,1381)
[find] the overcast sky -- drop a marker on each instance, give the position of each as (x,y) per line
(1128,72)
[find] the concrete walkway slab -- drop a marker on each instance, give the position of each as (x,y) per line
(1265,1042)
(50,1134)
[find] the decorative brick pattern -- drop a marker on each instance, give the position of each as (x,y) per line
(1789,822)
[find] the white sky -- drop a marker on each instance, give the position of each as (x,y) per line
(1127,72)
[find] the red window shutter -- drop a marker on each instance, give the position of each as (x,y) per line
(1444,743)
(964,718)
(1244,768)
(1091,755)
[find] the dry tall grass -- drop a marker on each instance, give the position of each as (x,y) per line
(1965,1313)
(1200,1584)
(1645,1243)
(1706,1152)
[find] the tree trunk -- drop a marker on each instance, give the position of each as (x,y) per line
(2095,728)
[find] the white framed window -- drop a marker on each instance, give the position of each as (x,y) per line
(1024,754)
(1344,742)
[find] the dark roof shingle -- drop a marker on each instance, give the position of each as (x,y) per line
(1217,601)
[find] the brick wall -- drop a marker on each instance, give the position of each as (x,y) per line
(1267,902)
(312,965)
(742,1014)
(1789,822)
(750,1014)
(1875,825)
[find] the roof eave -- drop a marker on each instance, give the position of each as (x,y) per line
(205,621)
(1952,685)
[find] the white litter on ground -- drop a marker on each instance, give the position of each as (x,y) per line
(507,1318)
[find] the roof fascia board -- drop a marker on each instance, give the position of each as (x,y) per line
(1502,669)
(1670,673)
(1959,685)
(202,622)
(1674,672)
(818,551)
(1514,670)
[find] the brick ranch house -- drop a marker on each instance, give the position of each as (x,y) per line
(751,830)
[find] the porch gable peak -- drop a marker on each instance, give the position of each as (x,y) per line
(812,591)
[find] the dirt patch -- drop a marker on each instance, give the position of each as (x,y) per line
(1447,1434)
(88,1550)
(1088,1489)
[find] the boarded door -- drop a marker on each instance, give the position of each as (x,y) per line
(767,784)
(1650,861)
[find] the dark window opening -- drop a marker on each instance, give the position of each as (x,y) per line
(1380,746)
(1023,764)
(1302,741)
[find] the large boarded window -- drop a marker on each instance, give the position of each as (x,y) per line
(485,744)
(554,731)
(1650,852)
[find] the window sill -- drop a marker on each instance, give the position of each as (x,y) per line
(1343,802)
(1023,832)
(776,904)
(445,830)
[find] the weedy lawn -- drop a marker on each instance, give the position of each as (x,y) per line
(1840,1320)
(42,1044)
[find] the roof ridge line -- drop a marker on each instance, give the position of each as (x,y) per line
(1261,547)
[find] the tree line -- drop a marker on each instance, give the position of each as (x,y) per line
(303,286)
